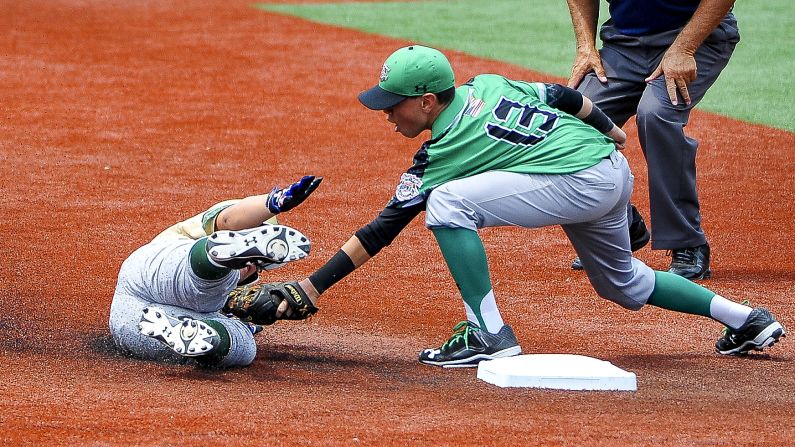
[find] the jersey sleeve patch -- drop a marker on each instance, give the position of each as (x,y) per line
(408,188)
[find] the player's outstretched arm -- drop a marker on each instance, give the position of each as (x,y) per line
(356,256)
(247,213)
(350,257)
(291,300)
(363,245)
(254,210)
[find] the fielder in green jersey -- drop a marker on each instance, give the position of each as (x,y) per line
(494,123)
(512,153)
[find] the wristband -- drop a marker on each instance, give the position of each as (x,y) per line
(336,268)
(598,120)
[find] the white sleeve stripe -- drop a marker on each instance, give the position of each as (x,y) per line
(542,91)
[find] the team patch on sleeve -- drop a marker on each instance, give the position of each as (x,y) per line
(408,188)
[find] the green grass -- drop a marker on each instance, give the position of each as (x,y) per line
(757,86)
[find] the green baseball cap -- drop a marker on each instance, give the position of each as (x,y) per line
(409,71)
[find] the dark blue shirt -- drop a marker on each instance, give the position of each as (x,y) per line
(643,17)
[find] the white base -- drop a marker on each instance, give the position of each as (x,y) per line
(556,371)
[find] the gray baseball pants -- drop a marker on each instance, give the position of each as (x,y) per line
(159,274)
(670,154)
(590,205)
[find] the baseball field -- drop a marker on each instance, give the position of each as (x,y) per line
(120,118)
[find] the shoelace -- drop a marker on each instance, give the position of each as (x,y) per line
(726,329)
(461,329)
(684,256)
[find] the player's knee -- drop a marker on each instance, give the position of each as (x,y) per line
(445,208)
(242,347)
(652,109)
(622,294)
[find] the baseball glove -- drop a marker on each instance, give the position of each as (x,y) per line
(258,303)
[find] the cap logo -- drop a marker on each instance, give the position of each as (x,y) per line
(421,88)
(384,73)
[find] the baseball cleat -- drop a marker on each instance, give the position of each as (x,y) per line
(691,263)
(185,336)
(268,247)
(759,331)
(469,345)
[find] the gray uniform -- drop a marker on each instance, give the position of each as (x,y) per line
(670,154)
(590,205)
(159,274)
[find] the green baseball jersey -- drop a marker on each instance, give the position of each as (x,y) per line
(497,124)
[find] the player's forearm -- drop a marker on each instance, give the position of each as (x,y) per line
(704,21)
(592,115)
(584,15)
(247,213)
(356,252)
(350,257)
(363,245)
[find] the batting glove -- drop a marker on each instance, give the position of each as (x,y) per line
(280,200)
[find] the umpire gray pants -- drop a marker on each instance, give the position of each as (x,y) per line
(590,205)
(670,154)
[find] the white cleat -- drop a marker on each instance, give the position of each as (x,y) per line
(186,336)
(268,247)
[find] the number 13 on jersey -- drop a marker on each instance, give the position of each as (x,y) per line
(531,127)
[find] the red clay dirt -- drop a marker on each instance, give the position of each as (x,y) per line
(120,118)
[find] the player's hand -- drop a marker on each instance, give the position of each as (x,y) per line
(283,309)
(679,69)
(584,63)
(308,289)
(618,136)
(280,200)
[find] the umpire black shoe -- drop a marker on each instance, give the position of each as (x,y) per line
(691,263)
(264,246)
(759,331)
(469,345)
(638,236)
(638,233)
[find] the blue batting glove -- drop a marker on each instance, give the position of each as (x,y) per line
(280,200)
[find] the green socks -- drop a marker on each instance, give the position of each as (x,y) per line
(675,293)
(201,265)
(218,354)
(463,251)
